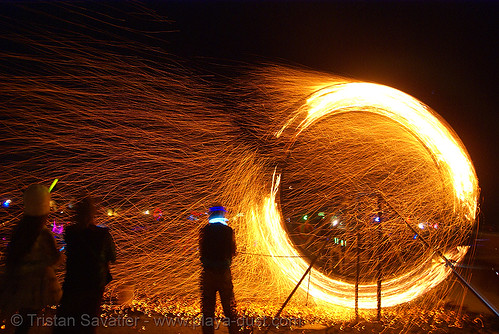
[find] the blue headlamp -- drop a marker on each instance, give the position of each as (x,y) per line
(218,220)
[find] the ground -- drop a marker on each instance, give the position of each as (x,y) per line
(463,312)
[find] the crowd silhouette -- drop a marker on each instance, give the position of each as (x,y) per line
(29,282)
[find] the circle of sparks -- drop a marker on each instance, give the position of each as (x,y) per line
(446,150)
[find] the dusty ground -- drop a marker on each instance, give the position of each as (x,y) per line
(473,316)
(138,323)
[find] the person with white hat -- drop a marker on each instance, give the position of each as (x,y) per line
(217,247)
(30,282)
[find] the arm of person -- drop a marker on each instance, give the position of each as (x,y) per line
(54,256)
(233,244)
(110,248)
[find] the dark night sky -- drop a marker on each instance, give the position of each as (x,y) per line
(443,53)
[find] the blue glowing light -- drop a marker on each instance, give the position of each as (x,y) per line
(218,221)
(415,236)
(377,219)
(7,203)
(217,208)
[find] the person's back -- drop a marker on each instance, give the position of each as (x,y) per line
(30,283)
(89,251)
(217,246)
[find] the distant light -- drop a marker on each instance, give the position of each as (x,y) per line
(335,222)
(435,225)
(377,219)
(421,225)
(158,214)
(321,214)
(146,212)
(415,236)
(305,217)
(57,229)
(7,203)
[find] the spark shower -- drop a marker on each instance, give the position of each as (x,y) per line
(297,157)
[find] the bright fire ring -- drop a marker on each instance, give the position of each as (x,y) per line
(424,172)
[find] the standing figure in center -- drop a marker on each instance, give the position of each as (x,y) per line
(217,247)
(89,251)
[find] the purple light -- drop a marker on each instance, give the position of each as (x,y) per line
(57,229)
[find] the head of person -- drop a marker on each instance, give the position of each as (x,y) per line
(36,201)
(85,210)
(217,215)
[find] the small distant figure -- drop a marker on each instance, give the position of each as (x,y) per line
(30,282)
(89,251)
(217,247)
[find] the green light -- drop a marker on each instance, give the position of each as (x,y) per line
(53,184)
(321,214)
(305,217)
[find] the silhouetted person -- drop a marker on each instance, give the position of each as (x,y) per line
(30,283)
(217,246)
(89,250)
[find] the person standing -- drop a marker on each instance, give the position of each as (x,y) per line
(89,251)
(30,282)
(217,247)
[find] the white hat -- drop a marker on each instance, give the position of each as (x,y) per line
(36,200)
